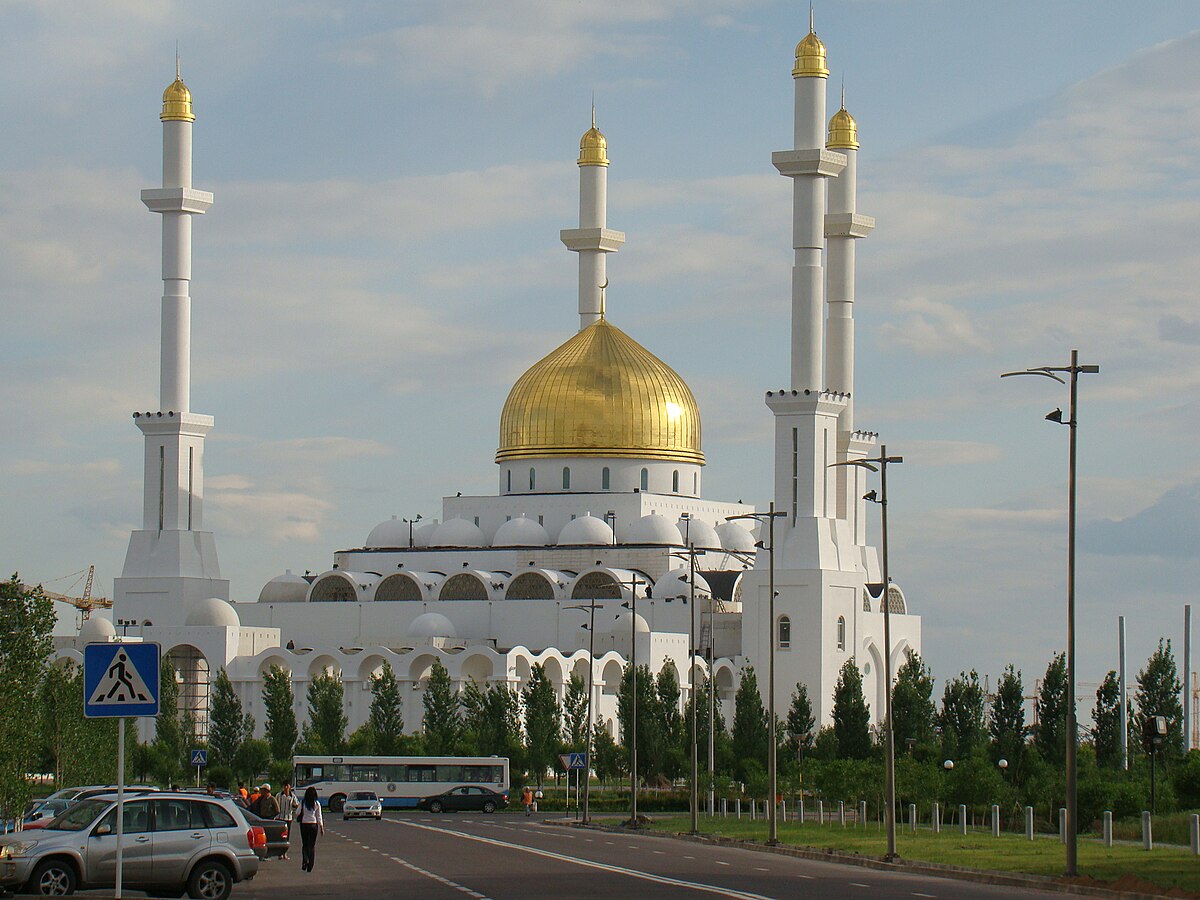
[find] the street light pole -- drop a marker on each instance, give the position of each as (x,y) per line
(691,555)
(633,777)
(587,747)
(1074,370)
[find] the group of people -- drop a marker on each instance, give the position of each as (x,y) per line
(306,813)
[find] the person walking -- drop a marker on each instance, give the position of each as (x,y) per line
(527,799)
(288,805)
(311,824)
(242,790)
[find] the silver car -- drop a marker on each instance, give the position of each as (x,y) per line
(362,805)
(172,843)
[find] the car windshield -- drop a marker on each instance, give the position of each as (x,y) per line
(79,816)
(363,795)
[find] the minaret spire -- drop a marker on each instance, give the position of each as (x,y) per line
(593,240)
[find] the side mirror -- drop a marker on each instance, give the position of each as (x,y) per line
(102,830)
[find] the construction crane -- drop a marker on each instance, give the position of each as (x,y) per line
(85,603)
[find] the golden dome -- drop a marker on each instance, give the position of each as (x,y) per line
(601,394)
(593,148)
(810,58)
(843,131)
(177,103)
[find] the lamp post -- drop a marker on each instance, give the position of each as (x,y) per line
(633,778)
(879,464)
(587,748)
(691,557)
(772,769)
(1073,370)
(411,523)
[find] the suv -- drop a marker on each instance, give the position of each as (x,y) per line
(172,842)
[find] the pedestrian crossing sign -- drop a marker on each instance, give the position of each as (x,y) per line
(120,680)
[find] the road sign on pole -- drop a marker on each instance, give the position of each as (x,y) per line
(571,761)
(199,757)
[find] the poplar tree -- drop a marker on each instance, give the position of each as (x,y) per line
(851,718)
(228,725)
(280,705)
(26,625)
(672,751)
(1158,692)
(801,723)
(750,734)
(325,729)
(1050,733)
(961,717)
(575,712)
(386,718)
(1106,719)
(649,737)
(913,711)
(1006,723)
(543,723)
(443,723)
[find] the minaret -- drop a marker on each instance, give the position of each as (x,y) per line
(171,560)
(593,239)
(843,225)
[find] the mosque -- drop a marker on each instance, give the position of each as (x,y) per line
(581,558)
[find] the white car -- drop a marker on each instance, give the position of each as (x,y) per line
(362,805)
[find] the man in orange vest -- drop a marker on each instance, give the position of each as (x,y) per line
(527,799)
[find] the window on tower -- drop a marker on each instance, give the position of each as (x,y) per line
(566,478)
(675,481)
(841,633)
(532,478)
(605,479)
(645,479)
(785,632)
(509,488)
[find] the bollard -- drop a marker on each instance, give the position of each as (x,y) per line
(1108,828)
(800,810)
(753,810)
(1194,823)
(1029,822)
(862,813)
(1062,824)
(782,810)
(962,817)
(842,813)
(995,820)
(936,820)
(724,808)
(1147,836)
(912,817)
(738,806)
(820,812)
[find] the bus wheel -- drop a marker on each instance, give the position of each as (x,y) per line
(336,802)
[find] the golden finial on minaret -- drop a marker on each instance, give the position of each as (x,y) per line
(177,99)
(810,53)
(593,147)
(603,288)
(843,130)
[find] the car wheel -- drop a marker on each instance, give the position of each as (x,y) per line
(53,878)
(489,806)
(337,802)
(435,806)
(210,880)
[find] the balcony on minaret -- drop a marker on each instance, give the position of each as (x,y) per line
(848,225)
(605,239)
(808,162)
(177,199)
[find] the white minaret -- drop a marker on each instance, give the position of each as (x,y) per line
(171,561)
(593,239)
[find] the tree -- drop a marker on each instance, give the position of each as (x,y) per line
(1106,719)
(78,750)
(325,730)
(1006,724)
(169,735)
(386,718)
(443,724)
(913,710)
(492,722)
(1158,693)
(1050,733)
(648,735)
(720,734)
(671,753)
(26,624)
(228,725)
(800,722)
(543,723)
(961,717)
(575,712)
(851,718)
(280,705)
(750,734)
(608,761)
(252,758)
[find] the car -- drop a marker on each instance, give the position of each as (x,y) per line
(38,813)
(276,831)
(362,804)
(173,842)
(472,797)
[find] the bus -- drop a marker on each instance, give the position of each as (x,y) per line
(399,781)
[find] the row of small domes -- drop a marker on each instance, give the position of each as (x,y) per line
(585,530)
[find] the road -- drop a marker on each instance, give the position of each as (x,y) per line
(509,856)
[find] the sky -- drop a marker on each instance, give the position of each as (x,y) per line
(382,262)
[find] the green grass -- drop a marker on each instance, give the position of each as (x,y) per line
(1164,867)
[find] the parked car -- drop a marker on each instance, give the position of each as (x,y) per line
(473,798)
(277,840)
(362,805)
(173,842)
(38,813)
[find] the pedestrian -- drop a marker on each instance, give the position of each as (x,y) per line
(527,799)
(288,804)
(255,797)
(242,790)
(311,824)
(268,803)
(211,790)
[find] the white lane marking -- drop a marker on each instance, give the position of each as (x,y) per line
(689,857)
(415,868)
(858,884)
(806,877)
(761,869)
(919,894)
(592,864)
(720,862)
(660,853)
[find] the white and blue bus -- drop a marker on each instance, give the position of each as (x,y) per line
(400,781)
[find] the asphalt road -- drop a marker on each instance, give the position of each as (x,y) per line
(509,856)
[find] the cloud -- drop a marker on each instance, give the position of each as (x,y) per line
(1179,330)
(1167,528)
(89,470)
(949,453)
(932,328)
(236,506)
(318,450)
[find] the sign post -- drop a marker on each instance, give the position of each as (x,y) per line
(120,680)
(199,760)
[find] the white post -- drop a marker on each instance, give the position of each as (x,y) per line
(912,817)
(724,808)
(936,820)
(1108,831)
(753,809)
(738,805)
(820,812)
(1147,835)
(1194,829)
(862,813)
(962,817)
(800,811)
(995,820)
(783,810)
(1029,822)
(1062,824)
(120,803)
(842,813)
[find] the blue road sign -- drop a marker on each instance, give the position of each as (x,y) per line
(120,680)
(199,758)
(577,761)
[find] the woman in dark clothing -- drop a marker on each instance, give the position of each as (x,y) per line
(311,824)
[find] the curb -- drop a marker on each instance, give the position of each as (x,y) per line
(961,873)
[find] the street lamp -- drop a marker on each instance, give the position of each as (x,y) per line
(1074,370)
(772,770)
(879,464)
(633,583)
(587,749)
(411,523)
(691,579)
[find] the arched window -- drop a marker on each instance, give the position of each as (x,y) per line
(509,488)
(841,633)
(645,479)
(566,478)
(785,632)
(605,479)
(675,481)
(532,479)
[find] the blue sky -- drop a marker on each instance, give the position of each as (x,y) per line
(382,262)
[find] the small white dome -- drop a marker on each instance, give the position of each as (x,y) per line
(457,532)
(391,533)
(285,588)
(96,630)
(735,537)
(700,533)
(620,625)
(675,584)
(423,535)
(521,532)
(652,529)
(431,625)
(586,530)
(213,611)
